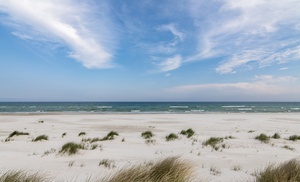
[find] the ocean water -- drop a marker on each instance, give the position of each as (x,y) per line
(150,107)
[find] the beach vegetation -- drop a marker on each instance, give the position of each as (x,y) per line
(263,138)
(171,136)
(107,163)
(17,133)
(41,137)
(214,142)
(150,141)
(189,132)
(236,168)
(276,136)
(288,171)
(294,137)
(52,150)
(288,147)
(214,171)
(251,131)
(22,176)
(169,169)
(81,133)
(63,135)
(110,136)
(229,137)
(70,148)
(147,134)
(41,121)
(94,146)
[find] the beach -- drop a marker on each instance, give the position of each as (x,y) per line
(235,158)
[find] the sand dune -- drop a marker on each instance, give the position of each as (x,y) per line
(237,157)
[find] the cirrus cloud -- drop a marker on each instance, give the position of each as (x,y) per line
(71,23)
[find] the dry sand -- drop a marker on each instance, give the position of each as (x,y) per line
(240,158)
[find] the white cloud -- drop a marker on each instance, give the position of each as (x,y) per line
(170,63)
(76,24)
(263,87)
(244,32)
(171,27)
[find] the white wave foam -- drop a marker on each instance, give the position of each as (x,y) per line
(233,106)
(245,109)
(104,107)
(179,107)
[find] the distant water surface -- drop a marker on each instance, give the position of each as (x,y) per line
(150,107)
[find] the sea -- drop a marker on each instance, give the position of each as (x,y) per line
(150,107)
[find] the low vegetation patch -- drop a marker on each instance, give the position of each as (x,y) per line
(214,142)
(81,133)
(17,133)
(288,148)
(276,136)
(150,141)
(169,169)
(263,138)
(287,171)
(107,163)
(63,135)
(171,136)
(70,148)
(294,137)
(147,134)
(22,176)
(110,136)
(189,132)
(41,137)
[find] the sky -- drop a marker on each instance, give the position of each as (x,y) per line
(150,50)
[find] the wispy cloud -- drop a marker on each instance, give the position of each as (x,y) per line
(170,63)
(244,32)
(86,30)
(260,88)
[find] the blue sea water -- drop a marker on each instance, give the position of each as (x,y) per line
(150,107)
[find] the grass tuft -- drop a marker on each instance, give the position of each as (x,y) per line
(276,136)
(171,136)
(147,134)
(287,171)
(294,137)
(41,137)
(81,133)
(107,163)
(21,176)
(263,138)
(189,132)
(17,133)
(213,142)
(70,148)
(169,169)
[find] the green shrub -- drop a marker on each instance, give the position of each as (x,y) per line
(70,148)
(63,135)
(213,141)
(147,135)
(41,137)
(17,133)
(284,172)
(294,137)
(189,132)
(263,138)
(171,137)
(110,136)
(81,133)
(276,136)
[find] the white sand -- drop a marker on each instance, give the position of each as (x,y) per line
(243,151)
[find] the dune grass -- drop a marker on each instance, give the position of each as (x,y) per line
(147,134)
(17,133)
(294,137)
(22,176)
(70,148)
(171,136)
(214,142)
(189,132)
(170,169)
(81,133)
(276,136)
(41,137)
(263,138)
(288,172)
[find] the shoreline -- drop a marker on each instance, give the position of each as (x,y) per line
(241,149)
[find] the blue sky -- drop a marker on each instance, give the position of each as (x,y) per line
(150,50)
